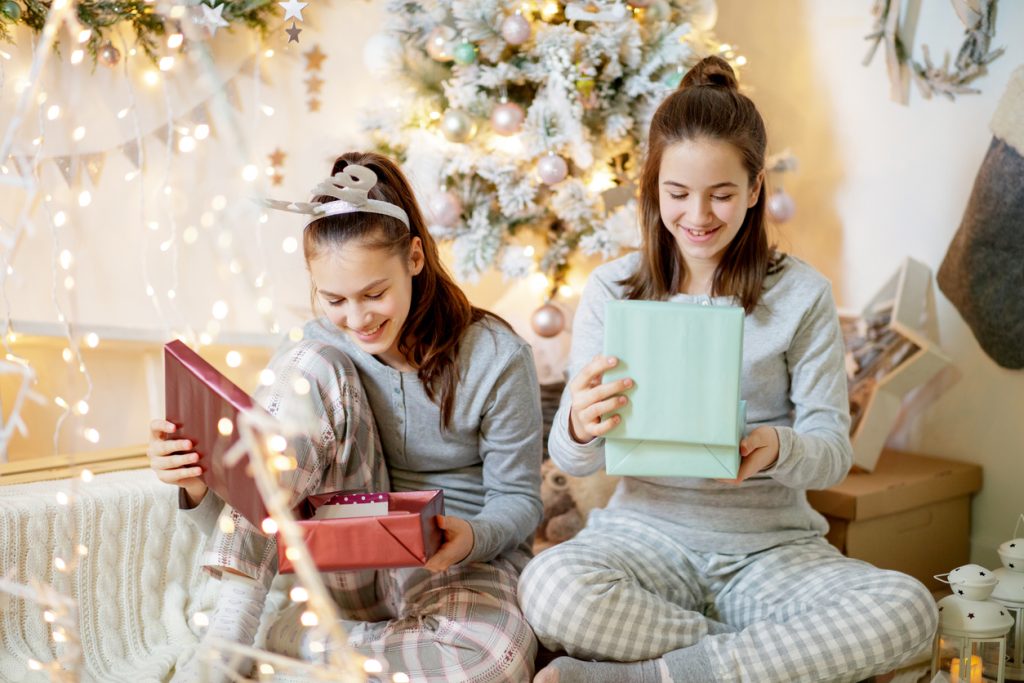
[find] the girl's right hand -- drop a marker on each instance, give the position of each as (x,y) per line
(172,466)
(592,400)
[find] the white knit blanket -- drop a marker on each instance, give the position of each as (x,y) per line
(136,588)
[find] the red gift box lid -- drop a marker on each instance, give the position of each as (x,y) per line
(196,397)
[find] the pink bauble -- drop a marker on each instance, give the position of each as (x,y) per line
(547,321)
(439,44)
(552,169)
(445,208)
(781,206)
(507,118)
(515,29)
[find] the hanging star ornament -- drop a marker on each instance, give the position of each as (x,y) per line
(293,33)
(314,58)
(313,84)
(314,104)
(293,9)
(277,157)
(213,18)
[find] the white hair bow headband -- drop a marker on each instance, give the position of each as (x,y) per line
(350,187)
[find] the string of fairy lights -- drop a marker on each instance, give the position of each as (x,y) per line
(164,232)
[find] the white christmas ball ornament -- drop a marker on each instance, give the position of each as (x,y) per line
(704,15)
(382,54)
(458,126)
(547,321)
(507,118)
(515,29)
(445,208)
(439,43)
(552,169)
(781,206)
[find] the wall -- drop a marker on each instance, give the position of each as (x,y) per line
(878,181)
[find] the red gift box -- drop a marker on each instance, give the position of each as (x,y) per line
(407,537)
(196,398)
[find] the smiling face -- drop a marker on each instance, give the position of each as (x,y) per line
(367,293)
(704,193)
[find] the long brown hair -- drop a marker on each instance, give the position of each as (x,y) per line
(439,312)
(707,105)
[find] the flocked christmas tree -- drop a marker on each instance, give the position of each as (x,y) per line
(518,116)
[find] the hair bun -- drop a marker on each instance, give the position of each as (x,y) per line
(713,71)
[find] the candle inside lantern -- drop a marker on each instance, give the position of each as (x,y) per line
(954,670)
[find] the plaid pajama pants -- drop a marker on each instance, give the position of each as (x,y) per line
(624,590)
(461,625)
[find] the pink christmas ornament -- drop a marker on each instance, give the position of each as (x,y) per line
(515,29)
(439,43)
(507,118)
(445,208)
(552,169)
(547,321)
(781,206)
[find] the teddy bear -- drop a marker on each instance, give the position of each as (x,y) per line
(562,518)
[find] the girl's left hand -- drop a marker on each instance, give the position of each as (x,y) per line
(458,543)
(758,451)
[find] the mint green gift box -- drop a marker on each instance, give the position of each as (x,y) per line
(684,417)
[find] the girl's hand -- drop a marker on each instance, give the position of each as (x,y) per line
(592,400)
(458,534)
(171,465)
(758,452)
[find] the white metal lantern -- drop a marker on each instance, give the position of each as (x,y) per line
(1009,593)
(970,646)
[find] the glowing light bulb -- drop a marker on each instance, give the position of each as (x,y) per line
(301,386)
(227,525)
(400,677)
(87,475)
(91,435)
(175,40)
(309,618)
(76,56)
(69,283)
(62,498)
(82,408)
(265,305)
(250,173)
(92,340)
(225,426)
(295,334)
(66,259)
(84,198)
(269,526)
(299,594)
(190,235)
(59,219)
(151,78)
(66,355)
(277,443)
(187,144)
(201,132)
(289,245)
(267,377)
(233,359)
(220,310)
(200,620)
(53,113)
(372,666)
(219,202)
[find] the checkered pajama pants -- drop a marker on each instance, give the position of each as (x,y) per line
(460,625)
(624,590)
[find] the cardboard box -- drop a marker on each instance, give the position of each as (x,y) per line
(684,417)
(406,537)
(911,514)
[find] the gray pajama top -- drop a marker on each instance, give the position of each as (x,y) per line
(793,378)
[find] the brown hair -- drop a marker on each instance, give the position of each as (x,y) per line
(707,105)
(439,312)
